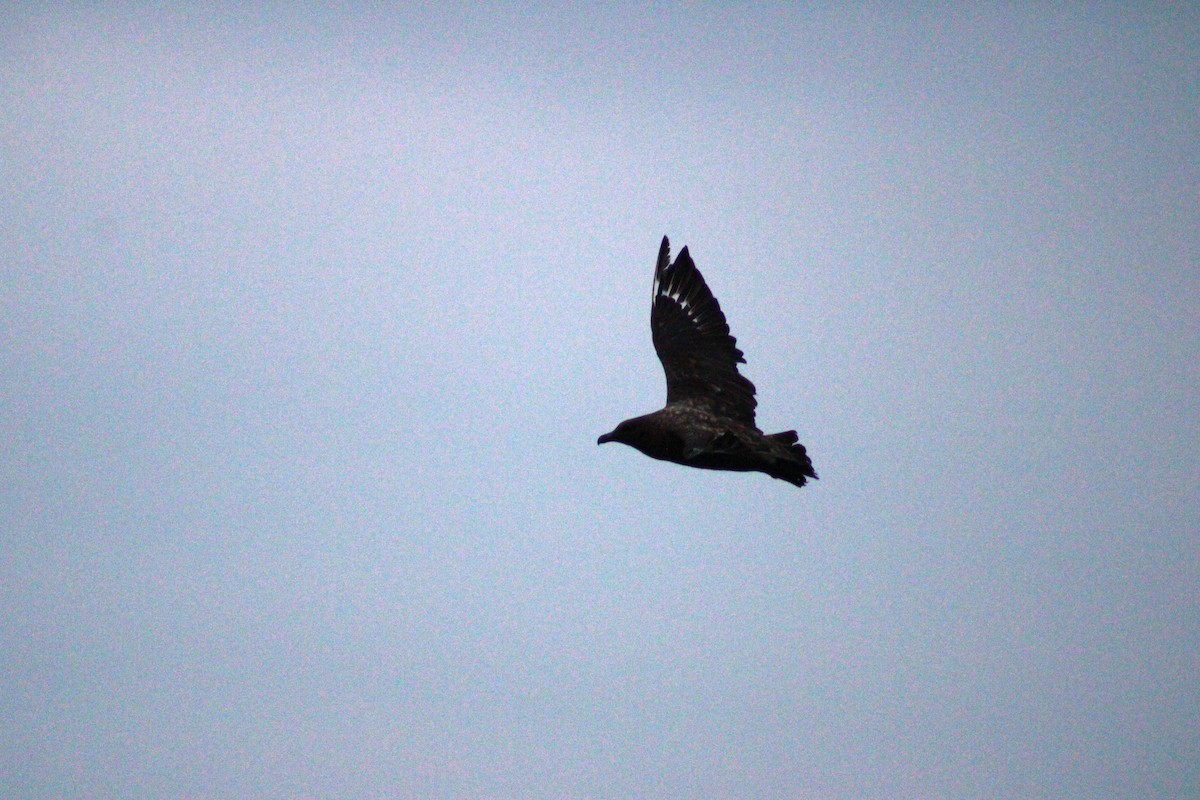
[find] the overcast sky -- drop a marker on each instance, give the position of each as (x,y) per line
(311,320)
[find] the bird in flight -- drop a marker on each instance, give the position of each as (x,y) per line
(708,421)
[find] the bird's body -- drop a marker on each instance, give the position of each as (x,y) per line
(708,421)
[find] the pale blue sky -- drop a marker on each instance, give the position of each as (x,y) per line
(312,319)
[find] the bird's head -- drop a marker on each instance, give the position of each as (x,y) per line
(621,433)
(633,432)
(648,434)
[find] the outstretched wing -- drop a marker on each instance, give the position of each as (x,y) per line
(693,342)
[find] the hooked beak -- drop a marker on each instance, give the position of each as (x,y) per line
(608,437)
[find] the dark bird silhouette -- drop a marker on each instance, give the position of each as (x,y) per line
(708,421)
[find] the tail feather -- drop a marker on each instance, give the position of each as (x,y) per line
(795,467)
(786,437)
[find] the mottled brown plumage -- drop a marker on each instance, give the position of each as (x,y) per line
(708,421)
